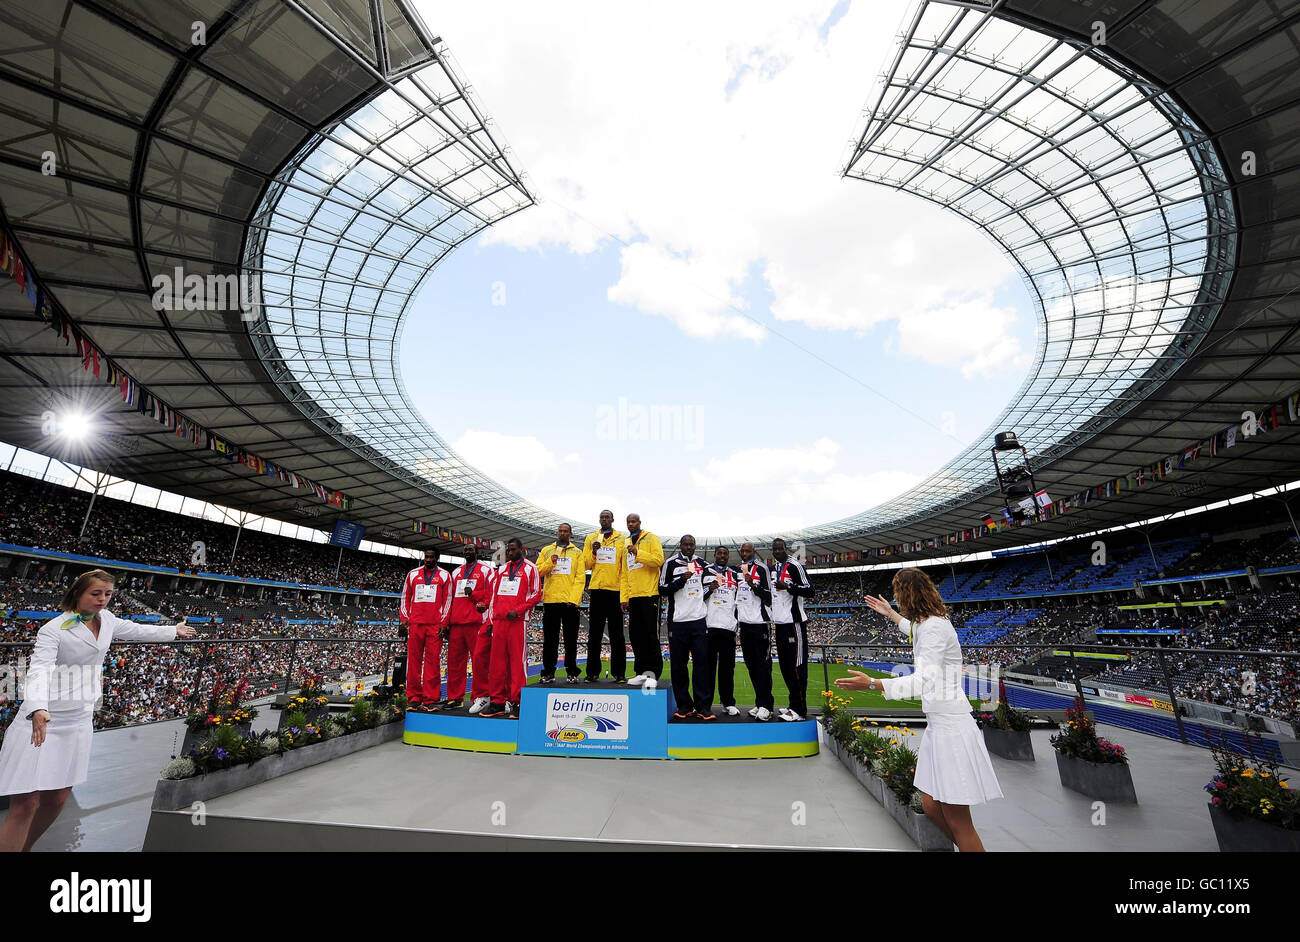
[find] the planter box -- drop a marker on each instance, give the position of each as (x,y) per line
(923,832)
(174,794)
(1237,833)
(1108,781)
(1009,744)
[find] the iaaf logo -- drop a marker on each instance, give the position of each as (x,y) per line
(576,719)
(599,724)
(76,895)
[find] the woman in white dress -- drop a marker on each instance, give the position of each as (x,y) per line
(47,746)
(953,770)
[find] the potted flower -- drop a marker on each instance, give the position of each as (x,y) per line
(1089,764)
(1251,806)
(885,767)
(1006,729)
(223,709)
(364,714)
(310,700)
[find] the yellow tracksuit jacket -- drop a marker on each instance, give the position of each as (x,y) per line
(559,587)
(604,575)
(641,570)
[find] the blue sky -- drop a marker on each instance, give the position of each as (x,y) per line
(693,236)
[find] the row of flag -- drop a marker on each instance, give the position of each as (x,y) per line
(1252,424)
(450,536)
(136,396)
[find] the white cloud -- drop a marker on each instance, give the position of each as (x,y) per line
(679,288)
(582,508)
(774,489)
(753,467)
(722,165)
(517,461)
(573,458)
(973,336)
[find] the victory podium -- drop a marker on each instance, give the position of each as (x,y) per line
(610,721)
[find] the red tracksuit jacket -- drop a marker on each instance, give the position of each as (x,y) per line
(426,603)
(527,591)
(464,608)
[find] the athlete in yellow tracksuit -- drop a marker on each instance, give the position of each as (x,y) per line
(561,564)
(639,594)
(603,555)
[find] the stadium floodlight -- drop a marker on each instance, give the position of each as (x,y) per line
(75,426)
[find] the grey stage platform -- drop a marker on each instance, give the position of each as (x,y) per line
(395,796)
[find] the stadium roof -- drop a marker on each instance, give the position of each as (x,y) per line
(329,148)
(332,149)
(1114,174)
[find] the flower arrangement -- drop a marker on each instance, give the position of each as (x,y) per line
(182,767)
(302,704)
(222,709)
(1251,787)
(1004,716)
(881,748)
(223,747)
(312,687)
(1078,738)
(363,715)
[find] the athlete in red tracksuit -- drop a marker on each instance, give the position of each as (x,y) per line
(424,612)
(482,680)
(518,587)
(469,601)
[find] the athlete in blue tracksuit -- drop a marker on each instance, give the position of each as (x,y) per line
(790,586)
(685,580)
(753,613)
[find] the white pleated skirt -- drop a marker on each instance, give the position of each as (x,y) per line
(953,765)
(62,760)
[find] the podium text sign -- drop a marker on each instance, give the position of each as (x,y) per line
(606,722)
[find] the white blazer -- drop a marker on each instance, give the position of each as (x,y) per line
(65,672)
(937,679)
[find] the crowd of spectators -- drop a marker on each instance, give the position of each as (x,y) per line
(1255,683)
(144,683)
(50,516)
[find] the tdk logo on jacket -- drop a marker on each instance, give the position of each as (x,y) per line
(684,580)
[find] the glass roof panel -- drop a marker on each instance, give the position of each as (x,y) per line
(1086,174)
(361,219)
